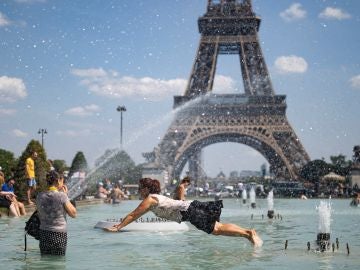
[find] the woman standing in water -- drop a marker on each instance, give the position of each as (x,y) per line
(53,206)
(203,215)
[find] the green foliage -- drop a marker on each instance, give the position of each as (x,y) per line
(340,165)
(41,168)
(78,164)
(60,165)
(314,170)
(7,162)
(115,166)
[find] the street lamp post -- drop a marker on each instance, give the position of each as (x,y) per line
(121,109)
(42,131)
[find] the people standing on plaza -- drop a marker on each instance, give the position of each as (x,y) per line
(53,206)
(204,216)
(30,175)
(9,187)
(181,189)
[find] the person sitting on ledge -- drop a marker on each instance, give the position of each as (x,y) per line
(102,193)
(8,203)
(204,216)
(117,195)
(19,206)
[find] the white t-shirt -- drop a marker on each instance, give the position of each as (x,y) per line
(168,208)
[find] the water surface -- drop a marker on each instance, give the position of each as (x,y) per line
(90,248)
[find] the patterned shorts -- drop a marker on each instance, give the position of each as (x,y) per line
(203,215)
(52,243)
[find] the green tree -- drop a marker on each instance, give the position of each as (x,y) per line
(60,165)
(340,165)
(314,170)
(41,168)
(78,164)
(7,162)
(115,166)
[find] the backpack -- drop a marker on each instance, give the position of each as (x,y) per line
(32,226)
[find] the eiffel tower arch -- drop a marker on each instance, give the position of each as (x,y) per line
(256,118)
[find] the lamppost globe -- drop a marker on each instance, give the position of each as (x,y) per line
(121,109)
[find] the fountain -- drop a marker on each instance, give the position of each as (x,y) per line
(323,236)
(270,201)
(244,195)
(252,197)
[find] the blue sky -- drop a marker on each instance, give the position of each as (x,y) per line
(66,65)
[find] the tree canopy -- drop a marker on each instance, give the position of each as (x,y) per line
(116,166)
(41,167)
(78,164)
(7,162)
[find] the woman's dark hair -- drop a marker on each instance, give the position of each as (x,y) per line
(186,179)
(153,185)
(52,177)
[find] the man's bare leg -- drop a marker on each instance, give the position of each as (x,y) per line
(230,229)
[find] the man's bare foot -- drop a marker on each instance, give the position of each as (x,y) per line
(255,239)
(30,203)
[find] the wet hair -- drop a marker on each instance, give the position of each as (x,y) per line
(153,185)
(186,179)
(52,177)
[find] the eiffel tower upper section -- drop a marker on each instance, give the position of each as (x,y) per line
(229,27)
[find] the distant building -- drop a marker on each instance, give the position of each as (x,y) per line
(248,173)
(221,176)
(151,170)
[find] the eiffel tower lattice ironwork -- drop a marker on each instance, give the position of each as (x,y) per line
(256,118)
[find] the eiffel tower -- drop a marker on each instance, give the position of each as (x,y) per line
(256,118)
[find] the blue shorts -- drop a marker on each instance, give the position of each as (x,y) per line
(31,182)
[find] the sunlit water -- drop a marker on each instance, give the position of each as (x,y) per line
(90,248)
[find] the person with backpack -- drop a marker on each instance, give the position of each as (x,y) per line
(53,206)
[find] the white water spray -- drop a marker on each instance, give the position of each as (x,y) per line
(324,210)
(252,195)
(76,188)
(244,194)
(270,200)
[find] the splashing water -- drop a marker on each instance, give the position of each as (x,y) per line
(324,210)
(252,195)
(244,194)
(270,200)
(76,188)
